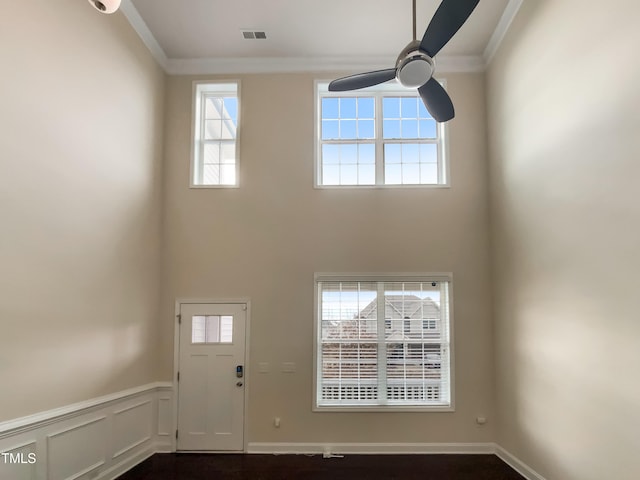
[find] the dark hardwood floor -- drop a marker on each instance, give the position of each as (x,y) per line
(191,466)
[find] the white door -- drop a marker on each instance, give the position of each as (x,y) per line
(211,376)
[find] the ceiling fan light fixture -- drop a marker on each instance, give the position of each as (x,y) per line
(415,70)
(105,6)
(415,65)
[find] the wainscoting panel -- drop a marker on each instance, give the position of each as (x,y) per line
(100,439)
(77,450)
(164,416)
(132,427)
(16,464)
(95,440)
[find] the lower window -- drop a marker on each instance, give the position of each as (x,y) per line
(383,342)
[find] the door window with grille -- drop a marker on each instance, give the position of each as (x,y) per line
(383,342)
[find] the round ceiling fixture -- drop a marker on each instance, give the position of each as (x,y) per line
(105,6)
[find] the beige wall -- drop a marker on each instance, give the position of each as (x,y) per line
(266,239)
(80,153)
(564,122)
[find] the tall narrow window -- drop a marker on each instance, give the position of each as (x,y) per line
(215,135)
(383,342)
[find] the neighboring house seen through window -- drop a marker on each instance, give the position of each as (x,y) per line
(383,343)
(380,135)
(215,135)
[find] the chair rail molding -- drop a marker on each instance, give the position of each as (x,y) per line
(98,439)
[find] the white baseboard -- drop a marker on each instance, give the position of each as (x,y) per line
(126,465)
(519,466)
(102,438)
(370,448)
(395,449)
(98,439)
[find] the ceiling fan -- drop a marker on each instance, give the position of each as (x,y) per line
(415,65)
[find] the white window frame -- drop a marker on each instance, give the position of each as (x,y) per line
(380,277)
(393,89)
(200,90)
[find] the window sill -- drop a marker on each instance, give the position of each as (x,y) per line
(384,409)
(384,187)
(205,187)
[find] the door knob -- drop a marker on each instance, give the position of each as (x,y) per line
(239,384)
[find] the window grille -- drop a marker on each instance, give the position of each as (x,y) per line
(383,342)
(215,136)
(381,135)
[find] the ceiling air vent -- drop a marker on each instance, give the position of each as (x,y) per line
(254,35)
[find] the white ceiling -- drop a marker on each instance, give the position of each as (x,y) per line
(201,35)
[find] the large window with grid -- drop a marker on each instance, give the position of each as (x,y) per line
(383,342)
(378,136)
(215,135)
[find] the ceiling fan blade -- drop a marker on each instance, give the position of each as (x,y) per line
(437,101)
(362,80)
(448,19)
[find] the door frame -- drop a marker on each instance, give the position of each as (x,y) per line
(176,362)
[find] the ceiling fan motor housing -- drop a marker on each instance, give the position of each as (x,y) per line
(414,67)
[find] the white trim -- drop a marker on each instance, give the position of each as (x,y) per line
(500,32)
(459,64)
(238,65)
(139,441)
(216,87)
(518,465)
(176,366)
(139,25)
(162,433)
(440,277)
(30,422)
(130,447)
(176,362)
(378,93)
(383,277)
(131,407)
(123,467)
(74,426)
(22,446)
(47,425)
(371,448)
(481,448)
(247,384)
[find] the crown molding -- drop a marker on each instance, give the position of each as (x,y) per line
(499,33)
(239,65)
(197,66)
(139,25)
